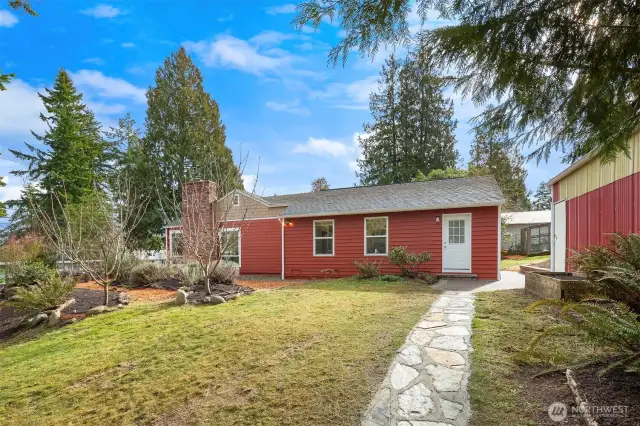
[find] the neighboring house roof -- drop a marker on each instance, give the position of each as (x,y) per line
(527,218)
(427,195)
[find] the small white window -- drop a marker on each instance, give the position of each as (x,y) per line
(456,231)
(236,200)
(230,245)
(376,236)
(323,237)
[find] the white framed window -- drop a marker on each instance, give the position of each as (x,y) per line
(236,200)
(376,236)
(230,245)
(176,243)
(323,237)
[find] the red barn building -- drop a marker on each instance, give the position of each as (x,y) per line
(591,200)
(318,234)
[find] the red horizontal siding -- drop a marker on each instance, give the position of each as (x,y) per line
(260,246)
(611,208)
(418,231)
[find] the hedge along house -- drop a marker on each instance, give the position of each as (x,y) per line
(319,234)
(591,200)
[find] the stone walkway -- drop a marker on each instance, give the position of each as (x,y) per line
(427,382)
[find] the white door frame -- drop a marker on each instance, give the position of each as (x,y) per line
(558,256)
(444,224)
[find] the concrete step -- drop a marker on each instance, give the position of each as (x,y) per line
(452,276)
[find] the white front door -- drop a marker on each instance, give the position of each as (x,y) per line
(456,242)
(559,236)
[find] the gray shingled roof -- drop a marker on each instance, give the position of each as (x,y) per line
(447,193)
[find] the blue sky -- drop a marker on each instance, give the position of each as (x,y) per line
(280,101)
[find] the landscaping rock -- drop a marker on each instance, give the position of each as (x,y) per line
(450,409)
(431,324)
(452,343)
(96,310)
(181,297)
(455,330)
(39,319)
(54,319)
(410,355)
(445,379)
(214,300)
(123,298)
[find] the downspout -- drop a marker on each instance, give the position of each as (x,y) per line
(282,245)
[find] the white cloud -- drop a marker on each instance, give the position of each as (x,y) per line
(354,95)
(322,147)
(249,182)
(308,30)
(226,18)
(353,165)
(100,108)
(14,186)
(103,11)
(7,19)
(273,38)
(128,45)
(293,107)
(94,61)
(20,108)
(305,46)
(136,70)
(108,87)
(285,9)
(231,52)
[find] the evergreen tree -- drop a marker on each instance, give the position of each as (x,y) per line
(319,184)
(76,159)
(542,198)
(566,71)
(413,123)
(491,155)
(185,139)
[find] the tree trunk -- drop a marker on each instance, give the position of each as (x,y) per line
(105,286)
(207,286)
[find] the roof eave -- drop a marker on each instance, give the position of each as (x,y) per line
(434,207)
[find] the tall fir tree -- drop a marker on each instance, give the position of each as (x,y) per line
(490,154)
(413,123)
(542,198)
(76,159)
(185,139)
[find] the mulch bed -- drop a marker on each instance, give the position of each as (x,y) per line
(11,318)
(616,388)
(87,299)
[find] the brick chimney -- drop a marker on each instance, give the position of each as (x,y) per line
(198,215)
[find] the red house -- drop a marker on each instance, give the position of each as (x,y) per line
(592,199)
(318,234)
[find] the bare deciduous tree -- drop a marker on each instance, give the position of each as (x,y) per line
(210,226)
(95,234)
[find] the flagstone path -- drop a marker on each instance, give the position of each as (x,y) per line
(427,382)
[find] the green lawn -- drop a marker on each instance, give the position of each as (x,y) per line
(310,354)
(508,263)
(501,368)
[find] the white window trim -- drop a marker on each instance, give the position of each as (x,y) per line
(239,243)
(233,200)
(333,238)
(171,232)
(386,236)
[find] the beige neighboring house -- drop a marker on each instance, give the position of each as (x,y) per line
(539,224)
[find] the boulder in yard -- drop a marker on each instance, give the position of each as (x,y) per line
(39,319)
(54,318)
(96,310)
(123,298)
(213,300)
(181,297)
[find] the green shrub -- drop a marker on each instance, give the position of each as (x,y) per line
(428,278)
(409,263)
(30,273)
(225,273)
(613,270)
(192,273)
(47,294)
(147,273)
(602,322)
(368,268)
(391,278)
(129,261)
